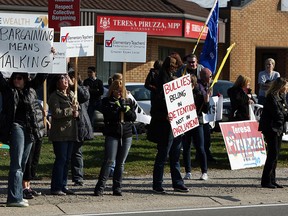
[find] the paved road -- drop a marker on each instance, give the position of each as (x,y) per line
(225,188)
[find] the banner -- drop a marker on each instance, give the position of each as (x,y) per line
(26,49)
(180,104)
(244,144)
(24,20)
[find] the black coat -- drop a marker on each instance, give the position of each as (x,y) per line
(85,129)
(111,112)
(239,104)
(274,115)
(10,99)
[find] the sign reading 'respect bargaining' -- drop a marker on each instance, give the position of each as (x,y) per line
(63,13)
(125,46)
(244,144)
(26,49)
(180,104)
(79,40)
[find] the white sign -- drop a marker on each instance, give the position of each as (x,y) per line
(60,61)
(26,49)
(79,40)
(24,20)
(215,110)
(125,46)
(180,104)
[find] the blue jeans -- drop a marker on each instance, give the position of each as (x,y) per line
(115,150)
(62,151)
(172,148)
(196,135)
(20,146)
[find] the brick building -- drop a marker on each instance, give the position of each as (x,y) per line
(158,45)
(258,27)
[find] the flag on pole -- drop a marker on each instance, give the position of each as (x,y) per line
(209,54)
(229,49)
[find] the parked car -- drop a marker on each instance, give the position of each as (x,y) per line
(141,95)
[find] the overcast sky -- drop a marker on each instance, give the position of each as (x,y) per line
(209,3)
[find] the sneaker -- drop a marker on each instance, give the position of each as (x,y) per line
(68,192)
(204,177)
(58,193)
(25,200)
(181,188)
(159,190)
(18,204)
(34,193)
(188,176)
(27,194)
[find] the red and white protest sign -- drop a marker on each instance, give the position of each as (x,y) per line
(63,13)
(180,104)
(244,144)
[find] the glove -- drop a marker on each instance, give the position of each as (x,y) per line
(118,103)
(124,106)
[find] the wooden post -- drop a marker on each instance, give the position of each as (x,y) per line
(123,83)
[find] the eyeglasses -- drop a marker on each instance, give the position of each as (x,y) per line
(63,77)
(18,78)
(210,77)
(191,62)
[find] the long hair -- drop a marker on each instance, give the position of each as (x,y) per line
(55,82)
(14,74)
(117,85)
(276,86)
(242,81)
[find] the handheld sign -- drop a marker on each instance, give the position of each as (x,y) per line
(244,144)
(180,104)
(26,49)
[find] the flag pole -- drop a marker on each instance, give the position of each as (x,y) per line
(204,26)
(229,49)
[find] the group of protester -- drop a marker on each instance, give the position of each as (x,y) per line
(71,117)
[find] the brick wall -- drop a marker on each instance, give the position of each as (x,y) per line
(260,24)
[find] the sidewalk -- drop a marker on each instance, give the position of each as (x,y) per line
(224,188)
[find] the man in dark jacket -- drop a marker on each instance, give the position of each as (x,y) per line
(96,90)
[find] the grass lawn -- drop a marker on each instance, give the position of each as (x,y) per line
(139,162)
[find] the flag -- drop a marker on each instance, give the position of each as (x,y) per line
(209,54)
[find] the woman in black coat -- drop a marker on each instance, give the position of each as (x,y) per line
(161,133)
(240,98)
(19,127)
(272,125)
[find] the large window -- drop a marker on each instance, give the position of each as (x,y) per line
(166,51)
(106,69)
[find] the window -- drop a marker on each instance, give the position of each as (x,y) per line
(165,51)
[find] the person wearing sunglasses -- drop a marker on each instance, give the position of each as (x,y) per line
(19,127)
(192,66)
(63,133)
